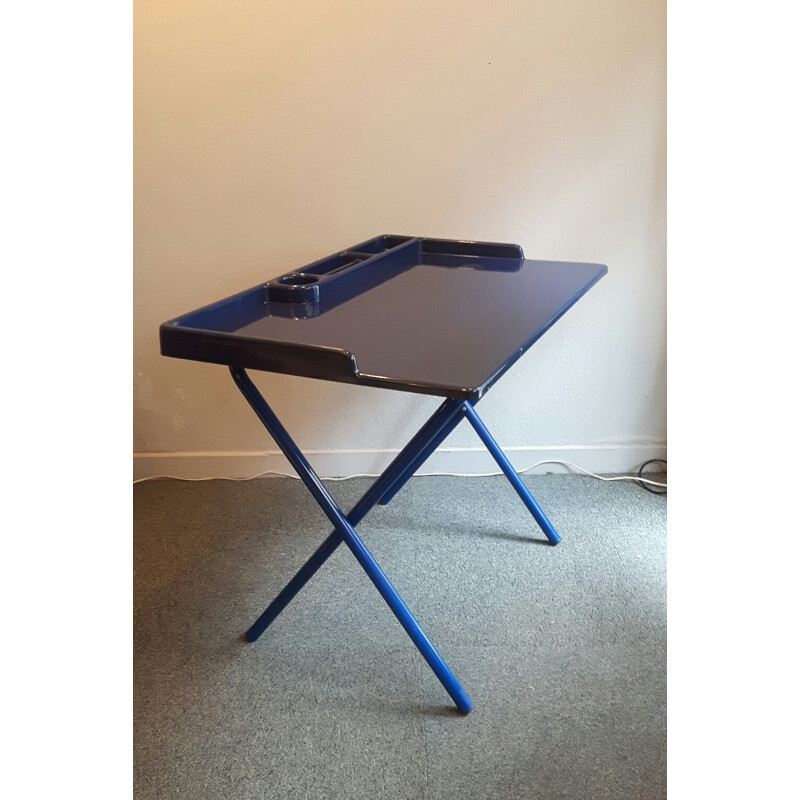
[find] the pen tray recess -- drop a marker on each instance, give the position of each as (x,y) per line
(336,278)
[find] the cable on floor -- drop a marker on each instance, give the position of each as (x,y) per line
(642,481)
(637,479)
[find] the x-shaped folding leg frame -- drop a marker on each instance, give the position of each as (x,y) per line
(410,458)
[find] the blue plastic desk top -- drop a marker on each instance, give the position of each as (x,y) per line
(433,316)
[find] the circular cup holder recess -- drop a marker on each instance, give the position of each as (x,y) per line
(297,280)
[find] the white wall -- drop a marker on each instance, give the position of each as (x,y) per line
(269,134)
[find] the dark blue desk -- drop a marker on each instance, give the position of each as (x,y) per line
(432,316)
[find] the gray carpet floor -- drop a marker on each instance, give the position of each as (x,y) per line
(562,649)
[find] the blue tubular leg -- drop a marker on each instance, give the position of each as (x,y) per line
(303,575)
(351,538)
(401,481)
(442,417)
(511,474)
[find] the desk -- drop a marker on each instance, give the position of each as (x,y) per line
(433,316)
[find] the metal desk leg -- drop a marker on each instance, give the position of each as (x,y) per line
(511,474)
(499,456)
(351,538)
(442,416)
(421,458)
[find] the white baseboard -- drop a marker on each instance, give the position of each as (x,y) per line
(609,459)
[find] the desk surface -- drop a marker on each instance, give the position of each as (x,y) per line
(438,323)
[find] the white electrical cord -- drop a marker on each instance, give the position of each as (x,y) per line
(426,475)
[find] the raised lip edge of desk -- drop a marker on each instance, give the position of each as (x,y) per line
(286,358)
(324,362)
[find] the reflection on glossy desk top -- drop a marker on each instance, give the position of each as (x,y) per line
(449,329)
